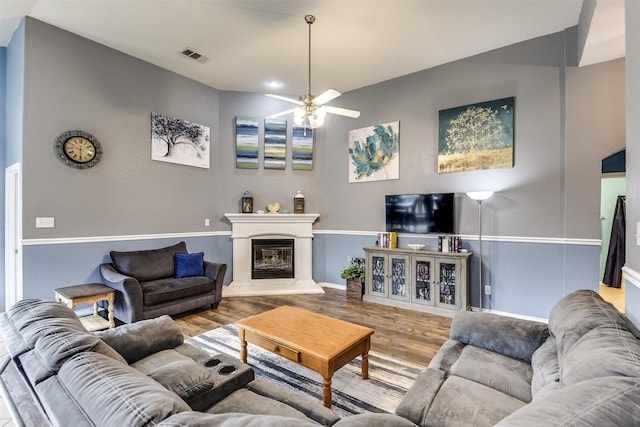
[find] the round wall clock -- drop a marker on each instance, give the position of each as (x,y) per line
(78,149)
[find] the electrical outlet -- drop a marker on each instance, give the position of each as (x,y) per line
(45,222)
(206,222)
(487,289)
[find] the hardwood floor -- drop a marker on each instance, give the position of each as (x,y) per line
(615,296)
(403,334)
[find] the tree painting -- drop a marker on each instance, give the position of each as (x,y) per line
(478,136)
(374,153)
(179,141)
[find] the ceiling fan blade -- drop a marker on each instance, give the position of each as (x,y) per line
(284,98)
(326,96)
(342,111)
(282,113)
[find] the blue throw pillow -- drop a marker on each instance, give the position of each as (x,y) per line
(188,265)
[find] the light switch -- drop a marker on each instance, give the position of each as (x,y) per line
(45,222)
(206,222)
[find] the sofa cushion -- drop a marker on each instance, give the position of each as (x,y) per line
(544,364)
(177,373)
(60,407)
(30,319)
(602,352)
(576,314)
(198,419)
(138,340)
(611,401)
(247,402)
(461,402)
(501,373)
(447,355)
(114,393)
(310,407)
(516,338)
(55,348)
(149,264)
(171,289)
(189,265)
(415,404)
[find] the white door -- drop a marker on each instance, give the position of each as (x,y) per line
(12,233)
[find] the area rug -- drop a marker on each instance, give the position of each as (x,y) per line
(389,378)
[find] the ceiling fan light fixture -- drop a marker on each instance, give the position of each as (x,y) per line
(319,115)
(299,116)
(311,111)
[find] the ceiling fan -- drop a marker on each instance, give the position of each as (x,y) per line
(311,110)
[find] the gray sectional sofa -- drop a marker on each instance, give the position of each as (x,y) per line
(582,369)
(141,374)
(147,284)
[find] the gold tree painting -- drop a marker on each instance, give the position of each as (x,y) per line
(374,153)
(477,136)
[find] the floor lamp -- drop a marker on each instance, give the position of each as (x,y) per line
(479,197)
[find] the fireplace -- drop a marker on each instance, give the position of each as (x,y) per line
(272,258)
(280,238)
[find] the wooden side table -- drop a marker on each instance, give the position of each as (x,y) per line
(73,296)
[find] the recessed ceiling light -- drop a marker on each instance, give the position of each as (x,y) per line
(274,84)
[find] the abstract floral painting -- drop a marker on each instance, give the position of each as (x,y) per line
(302,148)
(374,153)
(246,142)
(477,136)
(179,141)
(275,143)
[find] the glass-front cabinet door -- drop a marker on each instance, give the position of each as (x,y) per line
(448,284)
(377,276)
(422,280)
(399,277)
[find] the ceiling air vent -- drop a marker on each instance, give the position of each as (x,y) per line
(194,55)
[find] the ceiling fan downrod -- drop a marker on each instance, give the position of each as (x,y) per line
(309,19)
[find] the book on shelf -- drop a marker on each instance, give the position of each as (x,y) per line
(449,243)
(388,240)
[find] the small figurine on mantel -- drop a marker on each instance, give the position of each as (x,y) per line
(298,203)
(273,208)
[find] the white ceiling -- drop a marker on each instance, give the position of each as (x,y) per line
(355,43)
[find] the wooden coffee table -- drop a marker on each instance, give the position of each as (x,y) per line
(320,343)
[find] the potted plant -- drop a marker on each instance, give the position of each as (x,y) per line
(354,274)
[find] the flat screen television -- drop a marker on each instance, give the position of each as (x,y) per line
(420,213)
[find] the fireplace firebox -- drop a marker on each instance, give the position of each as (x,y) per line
(272,258)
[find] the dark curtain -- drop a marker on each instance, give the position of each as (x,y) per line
(616,256)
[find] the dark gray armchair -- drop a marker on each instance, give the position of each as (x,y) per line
(146,284)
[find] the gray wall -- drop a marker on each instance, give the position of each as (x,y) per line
(3,144)
(540,242)
(15,97)
(74,83)
(536,179)
(11,129)
(266,185)
(632,17)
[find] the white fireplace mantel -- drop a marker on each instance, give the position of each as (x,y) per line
(245,227)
